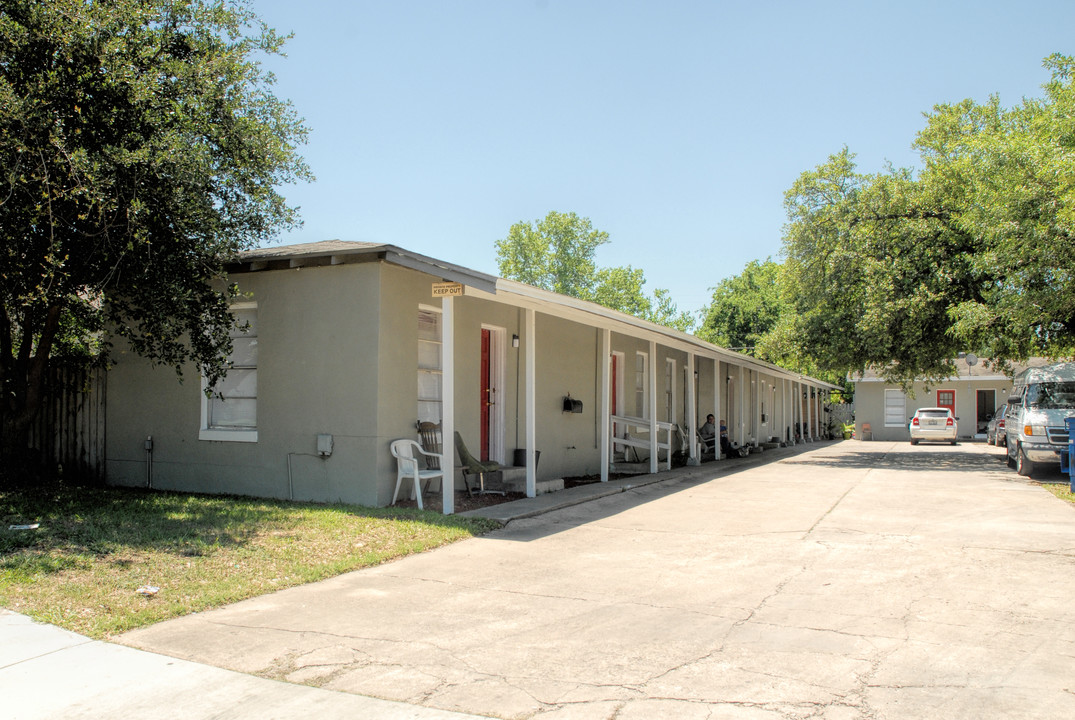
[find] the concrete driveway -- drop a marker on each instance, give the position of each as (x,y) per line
(836,581)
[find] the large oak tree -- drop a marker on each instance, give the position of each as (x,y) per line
(902,270)
(141,147)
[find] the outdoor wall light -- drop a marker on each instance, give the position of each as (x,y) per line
(515,341)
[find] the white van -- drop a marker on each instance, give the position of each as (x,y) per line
(1042,399)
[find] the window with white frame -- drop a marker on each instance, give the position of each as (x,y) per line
(895,408)
(230,408)
(640,384)
(430,375)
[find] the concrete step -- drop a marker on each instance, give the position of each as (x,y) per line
(514,480)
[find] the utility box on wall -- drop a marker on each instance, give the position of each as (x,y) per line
(324,445)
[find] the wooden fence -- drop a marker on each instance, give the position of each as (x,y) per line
(70,429)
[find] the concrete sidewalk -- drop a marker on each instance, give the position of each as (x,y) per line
(46,672)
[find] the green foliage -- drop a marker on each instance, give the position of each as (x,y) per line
(142,148)
(975,253)
(557,254)
(873,263)
(744,308)
(754,313)
(1011,173)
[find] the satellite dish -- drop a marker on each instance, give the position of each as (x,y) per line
(972,359)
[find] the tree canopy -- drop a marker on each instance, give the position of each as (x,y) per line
(752,313)
(744,308)
(557,254)
(142,148)
(902,270)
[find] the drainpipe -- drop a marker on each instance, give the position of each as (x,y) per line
(290,479)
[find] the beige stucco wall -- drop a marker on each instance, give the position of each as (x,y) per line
(317,345)
(870,404)
(337,354)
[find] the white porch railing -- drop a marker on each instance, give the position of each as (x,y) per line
(638,424)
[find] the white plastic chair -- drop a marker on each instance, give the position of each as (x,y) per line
(407,452)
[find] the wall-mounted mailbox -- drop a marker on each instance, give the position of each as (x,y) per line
(571,405)
(324,445)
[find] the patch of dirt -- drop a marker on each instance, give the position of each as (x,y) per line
(464,502)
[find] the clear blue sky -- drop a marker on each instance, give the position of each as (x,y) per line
(675,126)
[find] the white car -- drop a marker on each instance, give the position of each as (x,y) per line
(936,424)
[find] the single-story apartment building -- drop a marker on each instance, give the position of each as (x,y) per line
(883,409)
(346,346)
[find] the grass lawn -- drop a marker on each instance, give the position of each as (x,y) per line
(93,549)
(1061,490)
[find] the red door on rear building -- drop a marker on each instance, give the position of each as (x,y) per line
(947,399)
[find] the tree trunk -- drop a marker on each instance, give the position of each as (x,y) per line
(17,464)
(24,386)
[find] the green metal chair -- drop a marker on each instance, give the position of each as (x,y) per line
(471,466)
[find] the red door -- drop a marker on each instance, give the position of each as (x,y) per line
(947,399)
(487,397)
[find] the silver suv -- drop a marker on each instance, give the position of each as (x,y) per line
(1042,399)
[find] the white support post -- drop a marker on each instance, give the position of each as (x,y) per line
(718,382)
(809,415)
(740,398)
(692,415)
(816,410)
(605,354)
(799,412)
(759,393)
(652,391)
(447,421)
(531,404)
(794,410)
(784,411)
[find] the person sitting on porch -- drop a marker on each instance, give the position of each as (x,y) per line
(707,433)
(725,445)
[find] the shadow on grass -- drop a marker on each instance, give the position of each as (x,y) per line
(76,525)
